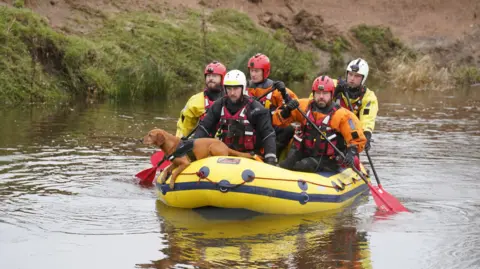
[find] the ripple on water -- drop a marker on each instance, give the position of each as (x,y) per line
(75,191)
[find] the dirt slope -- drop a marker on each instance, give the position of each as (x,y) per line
(440,27)
(408,19)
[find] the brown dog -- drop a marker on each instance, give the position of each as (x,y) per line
(202,148)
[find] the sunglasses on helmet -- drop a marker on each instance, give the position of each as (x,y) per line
(355,67)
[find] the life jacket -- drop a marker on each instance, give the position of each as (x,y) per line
(236,130)
(356,105)
(311,142)
(185,147)
(207,103)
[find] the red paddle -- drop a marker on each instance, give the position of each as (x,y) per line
(159,162)
(395,205)
(381,196)
(157,157)
(148,175)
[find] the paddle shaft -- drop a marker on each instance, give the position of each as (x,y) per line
(192,131)
(348,101)
(373,168)
(366,151)
(332,145)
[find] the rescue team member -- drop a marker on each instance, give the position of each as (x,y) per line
(199,103)
(362,100)
(311,152)
(259,69)
(244,123)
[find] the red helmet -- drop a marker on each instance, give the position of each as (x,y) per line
(216,67)
(260,61)
(323,83)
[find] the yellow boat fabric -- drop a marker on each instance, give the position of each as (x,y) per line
(232,182)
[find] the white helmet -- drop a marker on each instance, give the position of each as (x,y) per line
(236,78)
(359,66)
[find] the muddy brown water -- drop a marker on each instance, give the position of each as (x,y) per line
(68,197)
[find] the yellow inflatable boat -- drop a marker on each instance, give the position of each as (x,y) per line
(232,182)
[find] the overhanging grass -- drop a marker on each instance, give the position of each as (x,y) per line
(22,78)
(422,74)
(133,55)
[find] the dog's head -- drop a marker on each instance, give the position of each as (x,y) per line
(155,137)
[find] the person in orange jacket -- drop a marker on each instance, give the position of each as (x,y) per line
(311,152)
(259,68)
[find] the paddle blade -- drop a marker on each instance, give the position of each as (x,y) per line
(157,157)
(147,176)
(385,201)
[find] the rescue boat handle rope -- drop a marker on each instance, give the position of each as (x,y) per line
(201,176)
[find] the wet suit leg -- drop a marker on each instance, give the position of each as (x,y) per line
(292,158)
(284,135)
(297,161)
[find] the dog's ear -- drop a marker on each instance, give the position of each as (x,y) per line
(160,138)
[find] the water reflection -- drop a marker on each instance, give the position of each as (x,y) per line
(216,238)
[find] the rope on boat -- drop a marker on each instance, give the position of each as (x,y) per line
(202,176)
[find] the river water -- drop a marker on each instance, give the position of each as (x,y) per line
(68,198)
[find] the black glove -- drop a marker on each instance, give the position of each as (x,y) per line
(292,104)
(280,86)
(350,156)
(271,160)
(368,135)
(342,87)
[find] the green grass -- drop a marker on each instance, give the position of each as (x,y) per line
(24,41)
(133,55)
(466,75)
(380,44)
(378,40)
(19,3)
(336,47)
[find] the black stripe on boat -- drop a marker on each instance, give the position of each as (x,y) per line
(187,186)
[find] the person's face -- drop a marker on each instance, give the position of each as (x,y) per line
(213,81)
(322,98)
(234,93)
(256,75)
(354,79)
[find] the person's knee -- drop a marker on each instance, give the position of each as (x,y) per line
(306,165)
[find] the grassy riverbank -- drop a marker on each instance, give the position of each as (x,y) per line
(140,55)
(134,55)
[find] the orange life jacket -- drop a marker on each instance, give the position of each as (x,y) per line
(311,142)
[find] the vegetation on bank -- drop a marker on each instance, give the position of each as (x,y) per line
(145,56)
(134,55)
(405,69)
